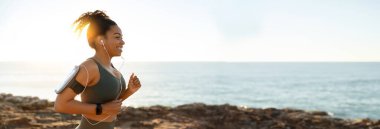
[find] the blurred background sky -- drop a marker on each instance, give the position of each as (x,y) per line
(198,30)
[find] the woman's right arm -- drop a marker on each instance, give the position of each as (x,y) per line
(66,103)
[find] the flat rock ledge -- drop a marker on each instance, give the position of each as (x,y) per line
(19,112)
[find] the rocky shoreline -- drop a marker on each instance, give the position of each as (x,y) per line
(32,112)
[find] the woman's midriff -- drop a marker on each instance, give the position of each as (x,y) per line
(100,117)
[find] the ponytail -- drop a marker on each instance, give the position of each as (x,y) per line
(99,24)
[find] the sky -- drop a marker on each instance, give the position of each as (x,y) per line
(198,30)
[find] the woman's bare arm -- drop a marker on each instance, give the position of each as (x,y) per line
(66,103)
(133,85)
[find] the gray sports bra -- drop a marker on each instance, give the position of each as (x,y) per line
(107,88)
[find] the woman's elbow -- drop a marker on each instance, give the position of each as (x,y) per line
(62,102)
(58,107)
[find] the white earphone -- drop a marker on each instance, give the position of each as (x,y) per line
(102,43)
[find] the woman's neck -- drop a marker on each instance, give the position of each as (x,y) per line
(103,59)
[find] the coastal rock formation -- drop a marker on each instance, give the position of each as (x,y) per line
(31,112)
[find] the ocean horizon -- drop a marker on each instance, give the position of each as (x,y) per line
(344,89)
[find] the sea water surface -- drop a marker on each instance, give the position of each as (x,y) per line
(347,90)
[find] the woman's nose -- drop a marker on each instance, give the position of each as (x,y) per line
(122,42)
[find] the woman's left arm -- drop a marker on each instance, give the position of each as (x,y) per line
(133,85)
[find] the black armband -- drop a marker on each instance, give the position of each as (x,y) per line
(99,109)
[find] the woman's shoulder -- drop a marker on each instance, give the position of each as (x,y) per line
(89,64)
(88,70)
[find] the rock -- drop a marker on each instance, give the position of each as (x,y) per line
(319,113)
(3,96)
(272,112)
(32,112)
(18,122)
(192,107)
(35,105)
(14,99)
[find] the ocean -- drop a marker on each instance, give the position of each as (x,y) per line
(346,90)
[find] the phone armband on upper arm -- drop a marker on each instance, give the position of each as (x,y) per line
(69,79)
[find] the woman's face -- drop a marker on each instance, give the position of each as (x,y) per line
(114,41)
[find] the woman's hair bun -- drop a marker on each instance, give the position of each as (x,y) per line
(99,24)
(89,18)
(98,15)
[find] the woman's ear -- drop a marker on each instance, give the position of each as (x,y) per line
(100,40)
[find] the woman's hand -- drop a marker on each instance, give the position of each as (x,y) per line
(133,84)
(111,108)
